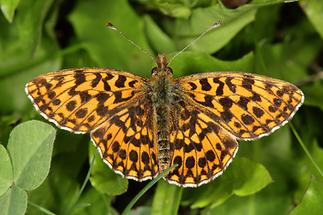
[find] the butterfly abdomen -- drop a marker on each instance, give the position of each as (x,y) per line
(160,100)
(164,155)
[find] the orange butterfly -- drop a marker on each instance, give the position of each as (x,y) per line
(142,126)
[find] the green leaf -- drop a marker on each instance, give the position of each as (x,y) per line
(8,8)
(6,177)
(312,200)
(146,188)
(192,62)
(57,191)
(93,203)
(166,199)
(16,100)
(233,21)
(313,10)
(158,39)
(13,202)
(172,8)
(30,147)
(250,177)
(105,46)
(287,61)
(103,178)
(141,210)
(243,177)
(313,94)
(20,39)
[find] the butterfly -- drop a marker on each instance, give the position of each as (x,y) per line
(143,126)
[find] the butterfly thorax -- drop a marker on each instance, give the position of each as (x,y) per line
(161,85)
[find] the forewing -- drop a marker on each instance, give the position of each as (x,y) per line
(201,148)
(248,106)
(79,100)
(126,141)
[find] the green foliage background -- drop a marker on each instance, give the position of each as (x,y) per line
(273,175)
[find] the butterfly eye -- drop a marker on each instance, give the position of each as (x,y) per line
(169,71)
(154,71)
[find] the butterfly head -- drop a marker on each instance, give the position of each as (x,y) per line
(162,68)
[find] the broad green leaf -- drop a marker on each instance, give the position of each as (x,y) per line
(192,62)
(16,100)
(254,177)
(6,177)
(313,94)
(20,39)
(105,46)
(158,39)
(57,191)
(312,200)
(30,147)
(8,8)
(166,199)
(93,203)
(232,22)
(313,10)
(266,204)
(103,178)
(243,177)
(13,202)
(172,8)
(286,61)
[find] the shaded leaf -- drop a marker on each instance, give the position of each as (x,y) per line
(20,39)
(243,177)
(13,202)
(103,178)
(313,10)
(16,100)
(312,200)
(313,94)
(232,22)
(93,203)
(6,177)
(103,43)
(192,62)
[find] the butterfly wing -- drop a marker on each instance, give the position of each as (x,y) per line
(201,148)
(109,104)
(79,100)
(248,106)
(127,141)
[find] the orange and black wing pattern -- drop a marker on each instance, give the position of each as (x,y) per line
(108,104)
(79,100)
(127,141)
(247,106)
(201,148)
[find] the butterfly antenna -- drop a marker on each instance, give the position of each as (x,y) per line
(213,26)
(113,27)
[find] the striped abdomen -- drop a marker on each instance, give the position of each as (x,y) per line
(164,154)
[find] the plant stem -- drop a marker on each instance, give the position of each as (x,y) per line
(41,208)
(306,150)
(145,189)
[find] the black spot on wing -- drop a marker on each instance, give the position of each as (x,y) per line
(205,84)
